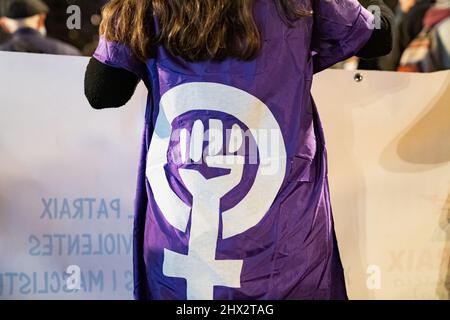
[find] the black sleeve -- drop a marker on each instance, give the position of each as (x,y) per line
(108,87)
(380,43)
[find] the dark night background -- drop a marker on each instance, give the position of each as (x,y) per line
(84,39)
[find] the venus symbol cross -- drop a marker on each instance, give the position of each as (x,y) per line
(200,268)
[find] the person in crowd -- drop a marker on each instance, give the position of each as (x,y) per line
(430,51)
(409,23)
(208,225)
(25,20)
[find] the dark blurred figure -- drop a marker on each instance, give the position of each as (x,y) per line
(25,21)
(85,38)
(409,24)
(3,35)
(430,50)
(409,15)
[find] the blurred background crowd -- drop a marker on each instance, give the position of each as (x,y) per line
(84,39)
(421,32)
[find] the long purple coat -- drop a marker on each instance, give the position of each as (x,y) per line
(233,199)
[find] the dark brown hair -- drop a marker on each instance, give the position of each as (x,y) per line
(195,30)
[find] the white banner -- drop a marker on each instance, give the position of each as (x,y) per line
(389,146)
(68,177)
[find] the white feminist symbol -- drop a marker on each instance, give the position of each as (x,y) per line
(200,268)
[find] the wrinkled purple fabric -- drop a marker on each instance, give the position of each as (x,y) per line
(292,252)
